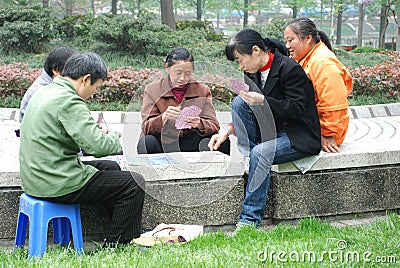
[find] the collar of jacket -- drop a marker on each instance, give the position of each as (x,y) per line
(310,54)
(166,89)
(273,76)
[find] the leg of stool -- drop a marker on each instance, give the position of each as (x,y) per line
(77,230)
(37,240)
(61,228)
(20,233)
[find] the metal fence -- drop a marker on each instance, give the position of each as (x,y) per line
(390,42)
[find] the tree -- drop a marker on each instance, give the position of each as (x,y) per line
(387,7)
(294,5)
(246,13)
(199,9)
(114,7)
(69,7)
(360,22)
(340,7)
(167,13)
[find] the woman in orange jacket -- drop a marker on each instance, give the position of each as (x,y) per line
(332,82)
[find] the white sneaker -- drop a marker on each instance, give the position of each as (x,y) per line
(242,225)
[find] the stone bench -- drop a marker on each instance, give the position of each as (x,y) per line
(364,177)
(207,188)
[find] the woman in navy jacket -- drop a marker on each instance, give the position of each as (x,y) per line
(275,122)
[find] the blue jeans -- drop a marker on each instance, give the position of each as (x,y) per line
(263,154)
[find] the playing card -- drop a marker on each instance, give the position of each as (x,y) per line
(239,85)
(191,111)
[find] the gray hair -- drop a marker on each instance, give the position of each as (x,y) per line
(85,63)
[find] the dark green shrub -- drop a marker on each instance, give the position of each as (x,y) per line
(143,36)
(76,28)
(28,34)
(205,26)
(273,29)
(367,50)
(11,14)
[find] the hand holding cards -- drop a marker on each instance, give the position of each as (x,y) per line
(191,111)
(239,86)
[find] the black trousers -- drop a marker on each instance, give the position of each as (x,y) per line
(150,144)
(120,192)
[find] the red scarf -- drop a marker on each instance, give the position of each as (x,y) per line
(269,63)
(179,92)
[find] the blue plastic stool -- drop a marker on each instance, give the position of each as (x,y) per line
(38,213)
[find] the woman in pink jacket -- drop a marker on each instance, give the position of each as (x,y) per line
(332,82)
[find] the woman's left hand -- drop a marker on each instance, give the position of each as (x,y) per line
(252,98)
(194,122)
(329,145)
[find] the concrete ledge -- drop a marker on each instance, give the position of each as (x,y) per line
(334,192)
(369,142)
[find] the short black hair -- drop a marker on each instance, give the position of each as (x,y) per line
(85,63)
(57,58)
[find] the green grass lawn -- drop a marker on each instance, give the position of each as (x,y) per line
(311,243)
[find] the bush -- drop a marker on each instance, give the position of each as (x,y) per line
(122,84)
(367,50)
(205,26)
(273,29)
(77,28)
(383,78)
(140,36)
(12,14)
(26,29)
(16,78)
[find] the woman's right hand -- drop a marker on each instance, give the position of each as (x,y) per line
(172,112)
(216,140)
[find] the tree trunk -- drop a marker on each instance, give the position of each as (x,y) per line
(167,14)
(360,24)
(339,27)
(45,3)
(383,23)
(246,13)
(398,28)
(138,6)
(92,6)
(69,7)
(294,15)
(114,7)
(199,10)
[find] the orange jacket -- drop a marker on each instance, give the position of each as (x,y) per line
(332,85)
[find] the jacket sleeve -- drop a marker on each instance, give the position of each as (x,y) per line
(151,115)
(80,125)
(330,87)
